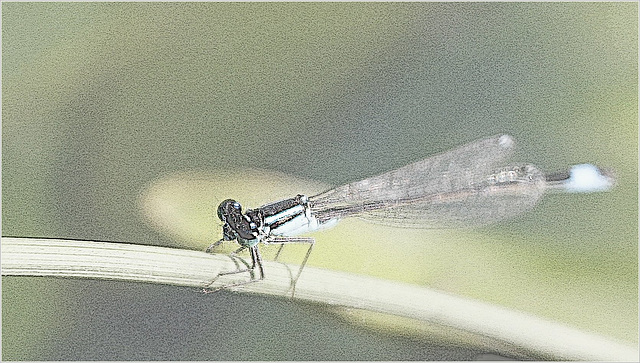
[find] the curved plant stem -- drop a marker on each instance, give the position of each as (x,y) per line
(141,263)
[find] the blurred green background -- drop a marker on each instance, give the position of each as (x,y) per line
(104,104)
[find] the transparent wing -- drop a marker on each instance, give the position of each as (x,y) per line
(461,187)
(484,201)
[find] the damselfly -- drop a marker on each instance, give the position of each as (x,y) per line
(467,186)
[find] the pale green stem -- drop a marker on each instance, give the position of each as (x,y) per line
(141,263)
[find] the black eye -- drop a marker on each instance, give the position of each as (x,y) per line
(226,207)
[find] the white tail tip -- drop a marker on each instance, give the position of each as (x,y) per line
(587,178)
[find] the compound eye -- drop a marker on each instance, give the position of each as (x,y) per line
(227,207)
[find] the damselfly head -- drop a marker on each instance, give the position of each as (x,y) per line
(227,208)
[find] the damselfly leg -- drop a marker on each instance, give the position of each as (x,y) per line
(287,240)
(256,261)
